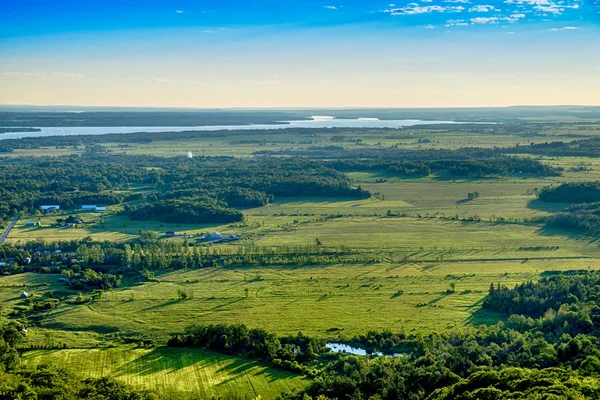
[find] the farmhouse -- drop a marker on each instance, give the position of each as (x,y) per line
(24,295)
(50,208)
(31,223)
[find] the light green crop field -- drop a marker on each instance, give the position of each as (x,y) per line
(174,373)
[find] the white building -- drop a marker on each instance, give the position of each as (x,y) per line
(49,208)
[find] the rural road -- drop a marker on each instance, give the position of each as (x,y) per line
(7,231)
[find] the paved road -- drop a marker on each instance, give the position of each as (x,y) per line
(7,231)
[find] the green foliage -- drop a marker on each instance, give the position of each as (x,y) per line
(586,192)
(185,210)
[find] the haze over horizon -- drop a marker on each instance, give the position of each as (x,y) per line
(311,54)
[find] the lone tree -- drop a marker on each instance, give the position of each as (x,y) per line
(246,291)
(182,294)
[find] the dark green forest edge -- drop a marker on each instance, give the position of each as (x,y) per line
(547,349)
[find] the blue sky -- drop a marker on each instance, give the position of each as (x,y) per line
(212,53)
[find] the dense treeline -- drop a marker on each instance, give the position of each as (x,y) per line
(585,216)
(185,210)
(496,166)
(582,217)
(48,382)
(25,184)
(285,352)
(528,357)
(548,295)
(586,192)
(576,148)
(89,265)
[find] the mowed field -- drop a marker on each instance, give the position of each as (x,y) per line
(174,373)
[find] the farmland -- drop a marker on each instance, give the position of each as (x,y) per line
(176,373)
(417,256)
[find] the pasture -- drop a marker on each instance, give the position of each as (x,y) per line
(174,373)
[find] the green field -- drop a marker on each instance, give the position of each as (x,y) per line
(175,373)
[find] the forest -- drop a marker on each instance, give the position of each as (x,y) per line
(586,192)
(206,187)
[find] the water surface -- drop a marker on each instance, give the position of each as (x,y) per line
(315,122)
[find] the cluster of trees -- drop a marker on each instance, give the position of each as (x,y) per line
(576,148)
(582,217)
(586,192)
(288,352)
(535,299)
(49,382)
(185,210)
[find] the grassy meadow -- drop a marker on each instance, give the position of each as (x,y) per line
(177,373)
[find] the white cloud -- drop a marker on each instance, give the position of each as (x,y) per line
(179,11)
(514,17)
(330,7)
(566,28)
(556,7)
(482,8)
(484,20)
(458,1)
(160,80)
(456,22)
(414,8)
(429,27)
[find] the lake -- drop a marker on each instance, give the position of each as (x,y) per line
(315,122)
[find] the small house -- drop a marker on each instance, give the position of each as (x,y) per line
(50,208)
(234,237)
(24,295)
(89,208)
(170,234)
(27,260)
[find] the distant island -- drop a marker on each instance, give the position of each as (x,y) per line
(11,130)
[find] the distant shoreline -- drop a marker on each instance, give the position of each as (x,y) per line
(17,129)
